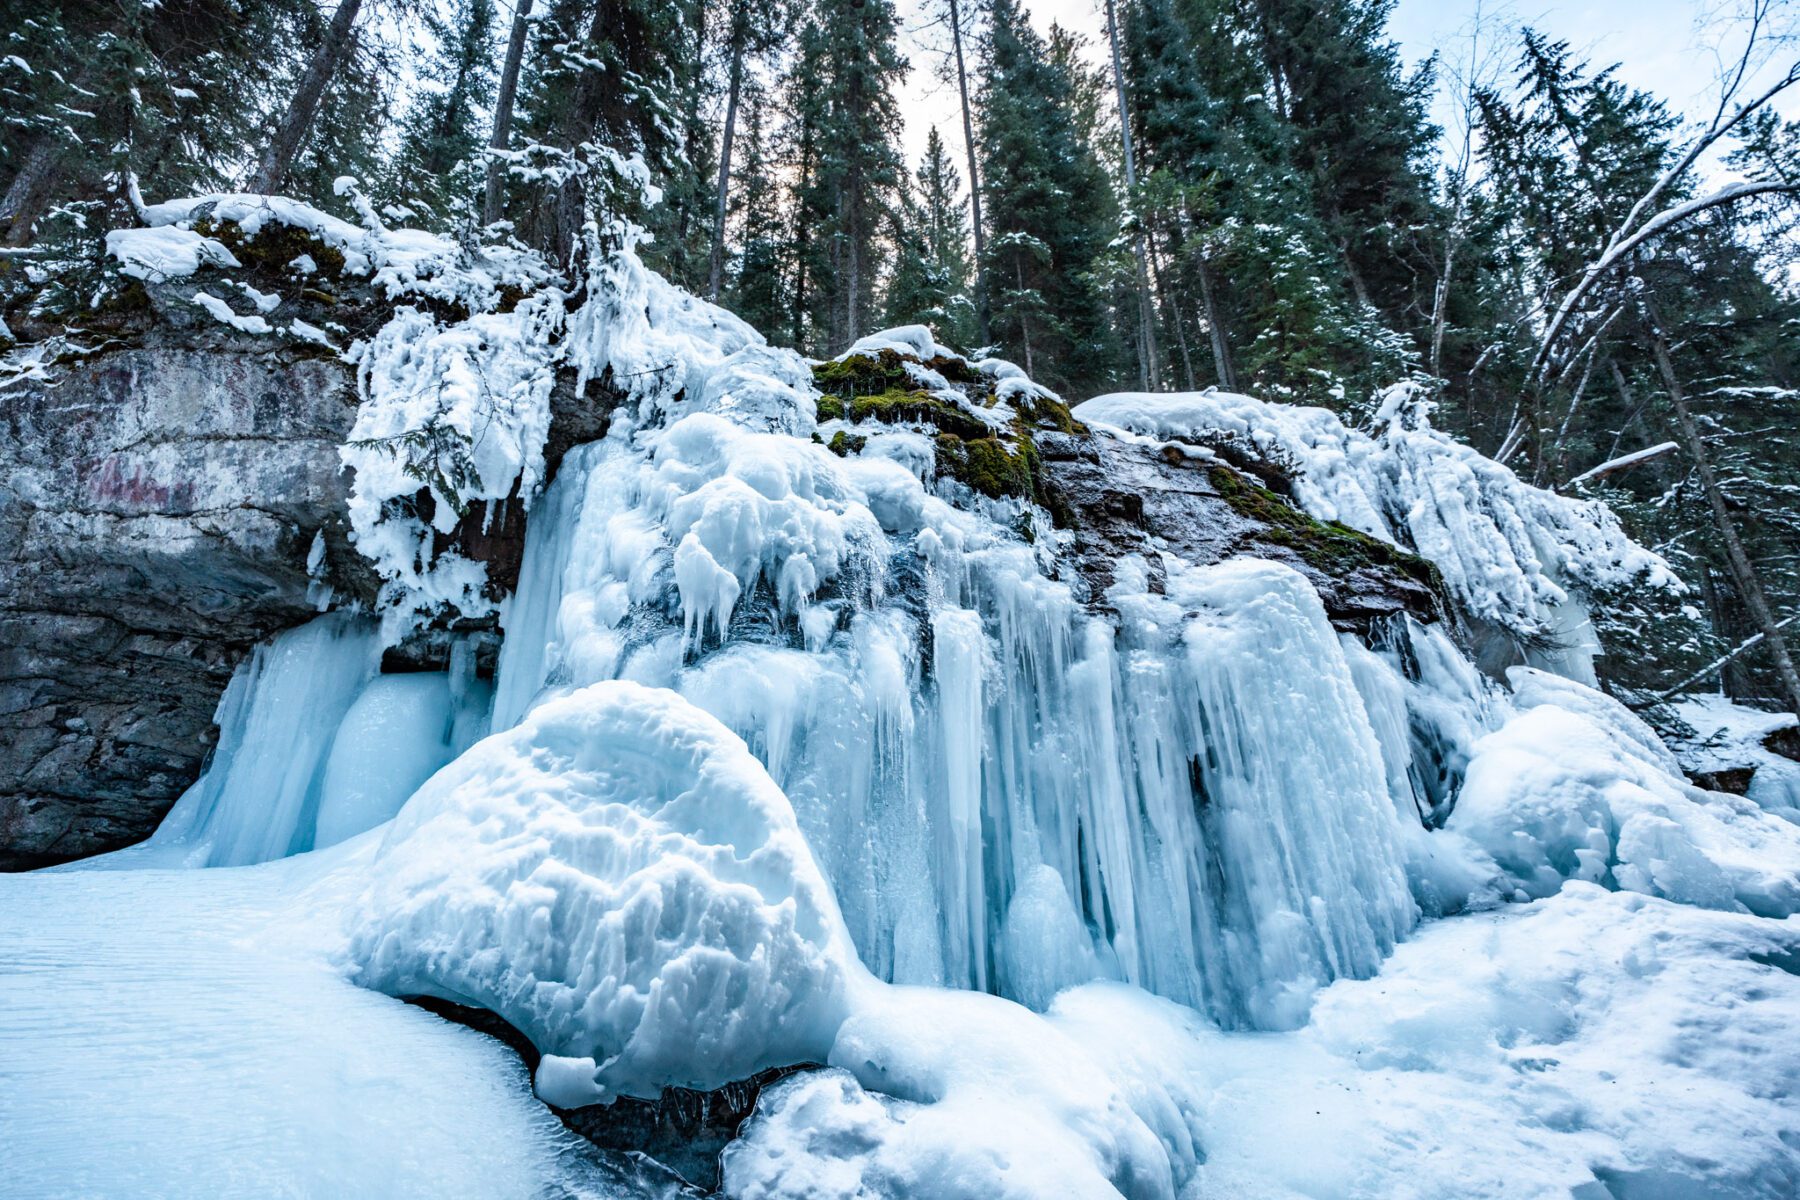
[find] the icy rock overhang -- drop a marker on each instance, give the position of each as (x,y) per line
(1095,500)
(179,443)
(1509,554)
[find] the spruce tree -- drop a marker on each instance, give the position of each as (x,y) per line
(1049,210)
(846,130)
(596,102)
(439,164)
(757,287)
(930,285)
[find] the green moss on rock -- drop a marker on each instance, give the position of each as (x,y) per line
(845,444)
(1330,546)
(993,463)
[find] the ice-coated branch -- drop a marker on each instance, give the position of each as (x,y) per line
(1625,462)
(1749,643)
(1661,223)
(1625,239)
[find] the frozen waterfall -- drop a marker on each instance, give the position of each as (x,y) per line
(1006,791)
(315,746)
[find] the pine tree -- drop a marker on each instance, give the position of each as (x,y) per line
(440,159)
(757,289)
(845,128)
(930,285)
(596,100)
(1049,212)
(171,94)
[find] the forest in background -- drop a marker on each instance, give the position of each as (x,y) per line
(1587,287)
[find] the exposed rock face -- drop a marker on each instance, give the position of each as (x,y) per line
(157,507)
(1124,499)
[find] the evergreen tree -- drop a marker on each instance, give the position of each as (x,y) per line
(845,130)
(930,285)
(1049,210)
(595,103)
(757,290)
(171,94)
(440,160)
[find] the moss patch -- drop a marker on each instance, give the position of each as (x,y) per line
(993,463)
(1330,546)
(864,375)
(1044,413)
(987,465)
(274,247)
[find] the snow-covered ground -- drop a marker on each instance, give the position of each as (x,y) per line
(799,757)
(183,1034)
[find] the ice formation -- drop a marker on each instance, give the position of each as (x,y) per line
(1509,552)
(619,879)
(1576,787)
(315,747)
(955,732)
(809,758)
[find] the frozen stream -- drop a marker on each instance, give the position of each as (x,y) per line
(181,1033)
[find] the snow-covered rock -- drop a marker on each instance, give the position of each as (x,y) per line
(1577,787)
(1508,552)
(619,879)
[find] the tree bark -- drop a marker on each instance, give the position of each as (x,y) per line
(1743,573)
(493,202)
(716,266)
(1149,370)
(298,119)
(1168,298)
(962,87)
(1221,352)
(25,197)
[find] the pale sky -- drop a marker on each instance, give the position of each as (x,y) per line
(1665,47)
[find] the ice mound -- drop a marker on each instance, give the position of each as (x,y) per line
(619,879)
(1576,787)
(1507,550)
(959,1095)
(1592,1044)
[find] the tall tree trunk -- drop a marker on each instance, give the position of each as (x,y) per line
(28,194)
(1149,372)
(716,267)
(802,239)
(962,88)
(1169,302)
(1216,331)
(493,202)
(1749,585)
(1024,320)
(291,132)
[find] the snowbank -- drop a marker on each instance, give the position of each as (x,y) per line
(958,1095)
(181,1034)
(1590,1044)
(1507,550)
(1728,736)
(1576,787)
(620,880)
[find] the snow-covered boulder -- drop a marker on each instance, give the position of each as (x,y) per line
(620,880)
(1576,787)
